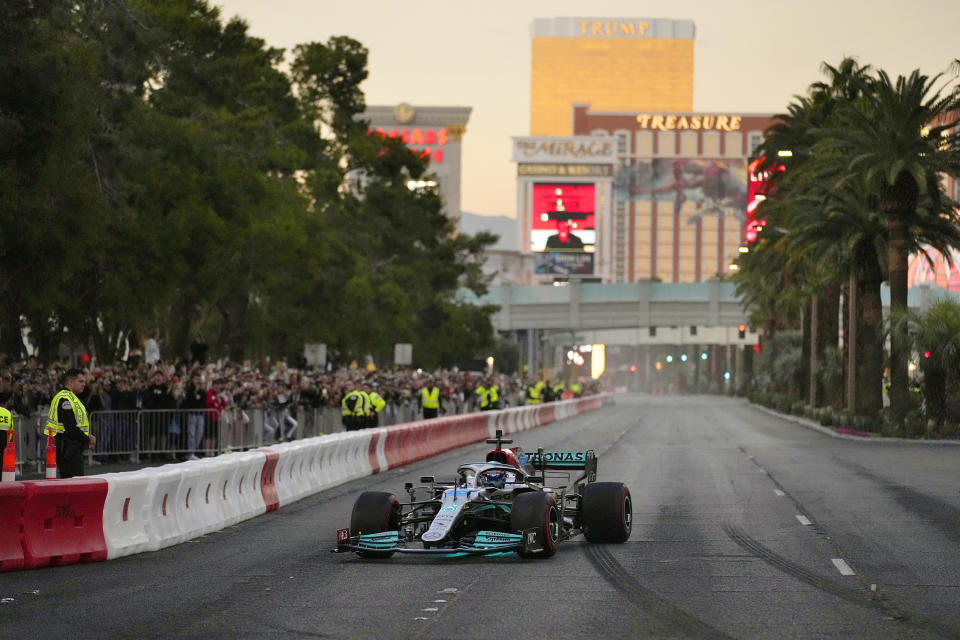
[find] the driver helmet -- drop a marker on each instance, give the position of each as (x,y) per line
(497,478)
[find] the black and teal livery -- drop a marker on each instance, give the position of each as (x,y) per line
(501,506)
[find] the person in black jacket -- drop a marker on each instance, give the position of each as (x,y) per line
(194,401)
(69,421)
(157,401)
(124,400)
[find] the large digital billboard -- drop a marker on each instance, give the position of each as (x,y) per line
(564,218)
(716,186)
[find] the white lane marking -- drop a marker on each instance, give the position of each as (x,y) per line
(804,521)
(448,590)
(843,567)
(439,600)
(779,493)
(421,618)
(431,609)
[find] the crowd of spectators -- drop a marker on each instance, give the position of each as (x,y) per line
(27,387)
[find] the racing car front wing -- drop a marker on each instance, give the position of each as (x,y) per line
(482,543)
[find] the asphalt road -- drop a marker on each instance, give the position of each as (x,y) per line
(744,526)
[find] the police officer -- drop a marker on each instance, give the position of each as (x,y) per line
(430,400)
(69,423)
(6,423)
(533,392)
(353,410)
(493,395)
(377,403)
(483,397)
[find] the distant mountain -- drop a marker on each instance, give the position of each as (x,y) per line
(503,226)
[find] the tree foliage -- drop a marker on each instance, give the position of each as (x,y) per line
(161,169)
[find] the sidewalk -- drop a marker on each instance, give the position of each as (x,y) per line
(844,433)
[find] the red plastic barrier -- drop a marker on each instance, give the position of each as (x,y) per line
(12,496)
(396,447)
(63,522)
(267,484)
(548,413)
(372,451)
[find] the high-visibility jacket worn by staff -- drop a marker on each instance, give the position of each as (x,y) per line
(482,397)
(430,401)
(69,422)
(6,423)
(493,396)
(377,403)
(67,400)
(430,397)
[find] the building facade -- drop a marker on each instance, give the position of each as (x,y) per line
(615,64)
(660,196)
(564,188)
(680,190)
(436,133)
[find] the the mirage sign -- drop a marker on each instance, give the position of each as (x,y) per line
(565,150)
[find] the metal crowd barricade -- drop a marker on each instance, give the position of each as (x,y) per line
(155,434)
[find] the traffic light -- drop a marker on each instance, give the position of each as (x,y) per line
(633,368)
(742,331)
(669,358)
(926,354)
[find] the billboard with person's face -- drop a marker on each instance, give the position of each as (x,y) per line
(564,218)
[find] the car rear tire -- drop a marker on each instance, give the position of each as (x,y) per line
(606,512)
(375,512)
(538,510)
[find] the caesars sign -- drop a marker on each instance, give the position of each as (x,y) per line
(433,139)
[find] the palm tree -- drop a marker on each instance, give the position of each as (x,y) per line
(936,336)
(898,140)
(828,233)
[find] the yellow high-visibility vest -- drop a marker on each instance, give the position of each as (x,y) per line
(346,406)
(54,425)
(484,398)
(363,407)
(533,394)
(430,397)
(377,401)
(6,420)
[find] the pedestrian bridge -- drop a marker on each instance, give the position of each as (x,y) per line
(584,306)
(630,310)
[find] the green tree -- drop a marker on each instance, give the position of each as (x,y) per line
(898,141)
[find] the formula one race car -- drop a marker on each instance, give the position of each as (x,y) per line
(502,505)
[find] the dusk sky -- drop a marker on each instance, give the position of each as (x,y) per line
(750,56)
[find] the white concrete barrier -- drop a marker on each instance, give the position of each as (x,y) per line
(249,497)
(125,513)
(161,523)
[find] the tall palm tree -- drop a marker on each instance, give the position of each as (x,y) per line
(824,226)
(898,140)
(936,336)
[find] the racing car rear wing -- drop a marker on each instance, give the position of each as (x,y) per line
(565,461)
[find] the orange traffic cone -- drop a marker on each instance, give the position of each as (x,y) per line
(10,458)
(51,459)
